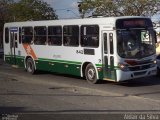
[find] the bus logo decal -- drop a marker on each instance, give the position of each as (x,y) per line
(29,51)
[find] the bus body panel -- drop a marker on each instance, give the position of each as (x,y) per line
(71,59)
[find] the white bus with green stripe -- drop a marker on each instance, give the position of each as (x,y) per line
(113,48)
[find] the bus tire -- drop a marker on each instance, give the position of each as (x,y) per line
(90,74)
(30,66)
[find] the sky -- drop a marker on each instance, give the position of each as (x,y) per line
(65,9)
(156,18)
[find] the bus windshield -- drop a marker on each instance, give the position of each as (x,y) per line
(135,43)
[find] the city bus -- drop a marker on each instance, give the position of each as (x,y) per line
(109,48)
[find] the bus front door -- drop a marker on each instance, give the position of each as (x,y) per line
(108,56)
(13,45)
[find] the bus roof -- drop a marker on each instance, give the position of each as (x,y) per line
(87,21)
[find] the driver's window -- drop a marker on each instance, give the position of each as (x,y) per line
(129,39)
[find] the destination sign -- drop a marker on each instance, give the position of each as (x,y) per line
(133,23)
(129,23)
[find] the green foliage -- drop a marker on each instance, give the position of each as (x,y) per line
(4,12)
(24,10)
(4,16)
(119,7)
(32,10)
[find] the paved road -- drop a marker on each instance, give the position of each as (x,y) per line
(48,93)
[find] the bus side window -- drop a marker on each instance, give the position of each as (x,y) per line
(71,35)
(111,43)
(105,43)
(20,36)
(40,35)
(27,35)
(55,35)
(6,35)
(90,36)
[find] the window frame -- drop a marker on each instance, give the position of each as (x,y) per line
(105,42)
(40,37)
(6,35)
(20,35)
(77,36)
(111,43)
(28,35)
(54,35)
(84,36)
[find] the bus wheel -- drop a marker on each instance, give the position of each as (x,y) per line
(30,66)
(90,74)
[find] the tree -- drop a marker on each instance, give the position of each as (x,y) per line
(4,15)
(24,10)
(119,7)
(32,10)
(4,11)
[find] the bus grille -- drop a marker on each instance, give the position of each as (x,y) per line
(141,67)
(139,73)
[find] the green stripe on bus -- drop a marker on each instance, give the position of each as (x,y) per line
(18,60)
(99,65)
(60,61)
(60,66)
(17,56)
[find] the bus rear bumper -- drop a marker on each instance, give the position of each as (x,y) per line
(127,75)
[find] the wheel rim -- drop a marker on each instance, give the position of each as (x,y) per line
(29,67)
(91,74)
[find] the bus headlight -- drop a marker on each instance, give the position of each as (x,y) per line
(123,67)
(154,63)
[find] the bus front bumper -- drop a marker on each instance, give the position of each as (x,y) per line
(127,75)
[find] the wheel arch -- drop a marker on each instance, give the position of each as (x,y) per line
(83,67)
(32,59)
